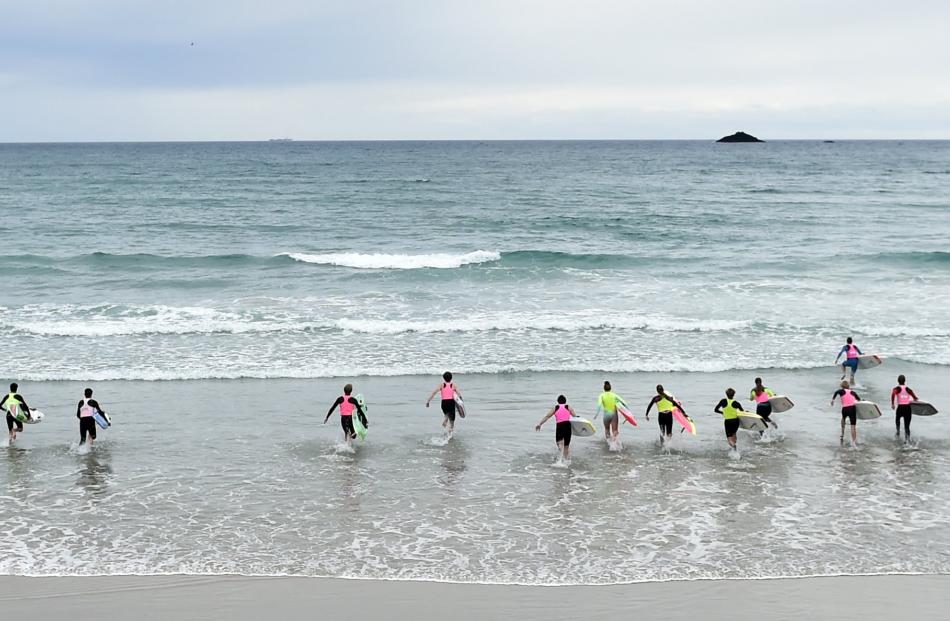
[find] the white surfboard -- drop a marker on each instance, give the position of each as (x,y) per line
(459,406)
(36,414)
(867,410)
(582,427)
(751,422)
(922,408)
(869,361)
(781,403)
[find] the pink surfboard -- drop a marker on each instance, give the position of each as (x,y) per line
(684,420)
(626,414)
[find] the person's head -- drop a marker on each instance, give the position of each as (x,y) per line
(730,393)
(758,381)
(88,392)
(901,379)
(606,386)
(13,387)
(348,389)
(447,376)
(659,389)
(845,384)
(850,340)
(561,399)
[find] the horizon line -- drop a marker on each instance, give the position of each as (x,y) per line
(394,140)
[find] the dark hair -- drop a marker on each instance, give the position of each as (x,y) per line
(447,376)
(730,392)
(88,392)
(850,340)
(758,380)
(561,399)
(659,389)
(606,385)
(901,379)
(13,387)
(348,389)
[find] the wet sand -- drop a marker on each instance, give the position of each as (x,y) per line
(238,598)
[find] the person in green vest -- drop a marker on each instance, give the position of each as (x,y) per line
(16,408)
(664,405)
(607,403)
(730,408)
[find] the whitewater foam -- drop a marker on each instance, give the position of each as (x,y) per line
(396,261)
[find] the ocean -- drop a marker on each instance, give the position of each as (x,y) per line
(217,296)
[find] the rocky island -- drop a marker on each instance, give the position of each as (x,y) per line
(739,137)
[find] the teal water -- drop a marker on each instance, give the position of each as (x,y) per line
(340,259)
(267,275)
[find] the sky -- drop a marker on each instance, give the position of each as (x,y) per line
(476,69)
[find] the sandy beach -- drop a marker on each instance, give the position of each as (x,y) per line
(238,598)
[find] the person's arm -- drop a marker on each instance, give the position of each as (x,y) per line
(359,408)
(3,401)
(571,410)
(770,392)
(79,409)
(23,405)
(857,397)
(836,395)
(677,404)
(858,349)
(431,396)
(719,406)
(893,395)
(650,406)
(739,407)
(457,391)
(96,405)
(546,417)
(338,401)
(913,395)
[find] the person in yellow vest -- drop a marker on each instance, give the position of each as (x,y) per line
(730,408)
(664,405)
(15,405)
(607,403)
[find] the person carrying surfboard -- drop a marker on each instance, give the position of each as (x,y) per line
(607,403)
(763,407)
(904,397)
(848,410)
(850,351)
(665,404)
(562,414)
(348,404)
(448,392)
(84,412)
(730,408)
(13,403)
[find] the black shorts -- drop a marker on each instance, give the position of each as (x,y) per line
(563,432)
(87,424)
(732,426)
(904,411)
(764,410)
(448,408)
(347,423)
(666,422)
(12,421)
(850,413)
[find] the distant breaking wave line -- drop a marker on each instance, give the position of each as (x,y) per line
(396,261)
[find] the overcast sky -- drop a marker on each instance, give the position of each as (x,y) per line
(480,69)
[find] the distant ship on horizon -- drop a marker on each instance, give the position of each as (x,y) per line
(280,140)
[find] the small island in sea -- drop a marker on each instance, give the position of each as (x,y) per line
(740,137)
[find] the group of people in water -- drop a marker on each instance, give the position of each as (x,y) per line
(610,405)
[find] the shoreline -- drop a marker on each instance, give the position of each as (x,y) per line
(238,598)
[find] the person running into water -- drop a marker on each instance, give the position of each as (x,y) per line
(348,404)
(87,424)
(13,404)
(665,403)
(763,407)
(447,391)
(607,402)
(562,414)
(848,410)
(904,397)
(730,408)
(850,352)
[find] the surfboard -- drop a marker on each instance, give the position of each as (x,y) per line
(358,426)
(867,410)
(781,403)
(627,416)
(582,427)
(922,408)
(459,406)
(103,420)
(869,361)
(752,422)
(36,414)
(684,420)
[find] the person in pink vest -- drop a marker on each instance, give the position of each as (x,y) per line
(904,396)
(562,414)
(447,390)
(850,351)
(347,404)
(848,411)
(87,424)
